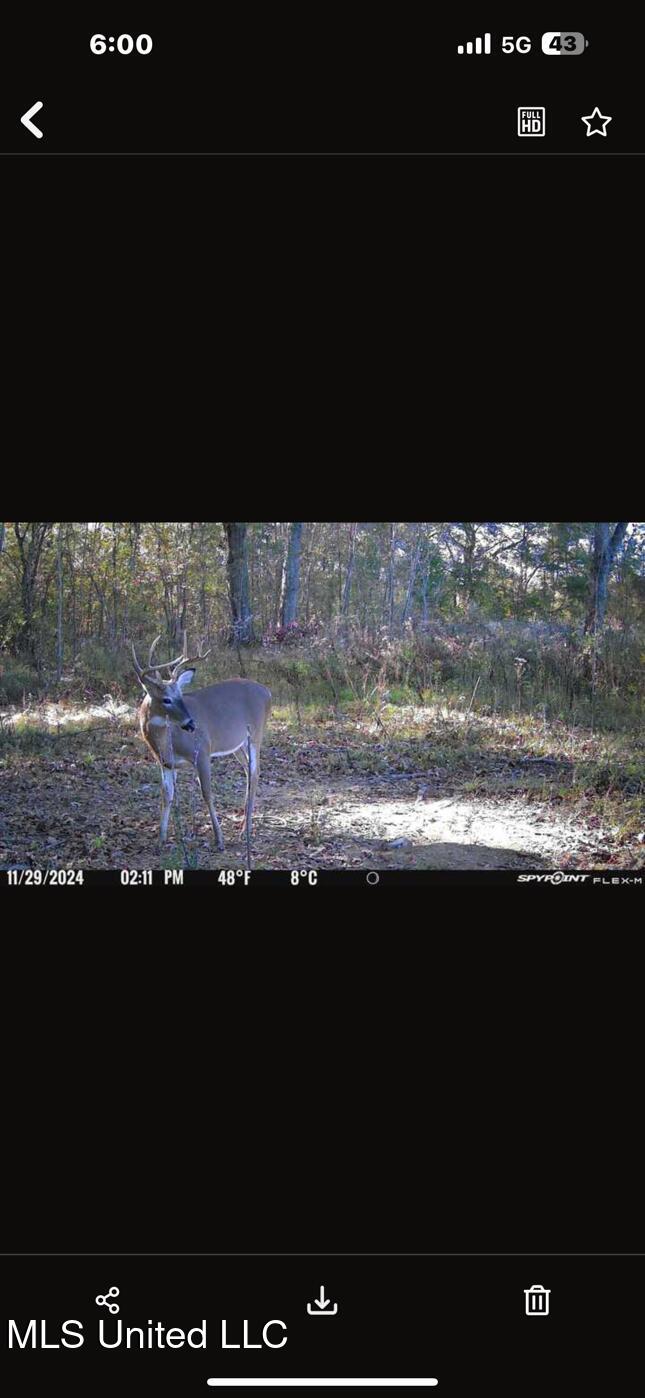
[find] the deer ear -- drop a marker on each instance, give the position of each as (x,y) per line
(185,679)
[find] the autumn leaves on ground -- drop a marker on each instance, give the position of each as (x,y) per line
(424,786)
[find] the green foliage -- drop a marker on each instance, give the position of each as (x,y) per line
(498,668)
(414,619)
(17,680)
(102,670)
(25,739)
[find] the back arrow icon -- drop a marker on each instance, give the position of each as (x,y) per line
(26,120)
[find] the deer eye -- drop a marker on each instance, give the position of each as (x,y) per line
(166,701)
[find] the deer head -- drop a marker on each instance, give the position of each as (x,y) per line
(166,695)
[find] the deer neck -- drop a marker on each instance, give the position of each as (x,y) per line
(155,729)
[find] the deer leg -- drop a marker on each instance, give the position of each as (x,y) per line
(244,764)
(204,774)
(168,780)
(252,786)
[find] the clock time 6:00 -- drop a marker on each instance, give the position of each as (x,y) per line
(124,44)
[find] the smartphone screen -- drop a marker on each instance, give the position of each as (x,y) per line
(338,79)
(362,786)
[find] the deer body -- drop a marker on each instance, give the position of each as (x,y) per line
(226,719)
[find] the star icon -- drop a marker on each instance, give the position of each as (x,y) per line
(597,123)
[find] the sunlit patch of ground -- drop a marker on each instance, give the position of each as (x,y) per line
(55,716)
(458,833)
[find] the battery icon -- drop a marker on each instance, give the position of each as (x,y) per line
(562,41)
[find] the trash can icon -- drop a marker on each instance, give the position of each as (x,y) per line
(537,1300)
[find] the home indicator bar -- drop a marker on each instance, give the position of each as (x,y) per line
(323,1383)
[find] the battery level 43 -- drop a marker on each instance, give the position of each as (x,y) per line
(561,42)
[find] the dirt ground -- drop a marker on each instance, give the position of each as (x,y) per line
(90,799)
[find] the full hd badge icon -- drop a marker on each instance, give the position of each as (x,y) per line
(531,121)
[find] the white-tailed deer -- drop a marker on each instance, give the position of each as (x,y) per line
(222,720)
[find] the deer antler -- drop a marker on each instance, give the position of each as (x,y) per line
(154,669)
(137,666)
(152,650)
(164,664)
(188,660)
(175,666)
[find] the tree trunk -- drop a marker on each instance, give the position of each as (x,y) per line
(390,580)
(135,535)
(59,621)
(237,567)
(69,557)
(310,562)
(114,619)
(424,592)
(30,546)
(179,621)
(470,545)
(606,546)
(291,577)
(347,591)
(413,574)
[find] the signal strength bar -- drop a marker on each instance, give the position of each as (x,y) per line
(476,45)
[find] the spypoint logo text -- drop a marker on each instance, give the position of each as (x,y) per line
(558,877)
